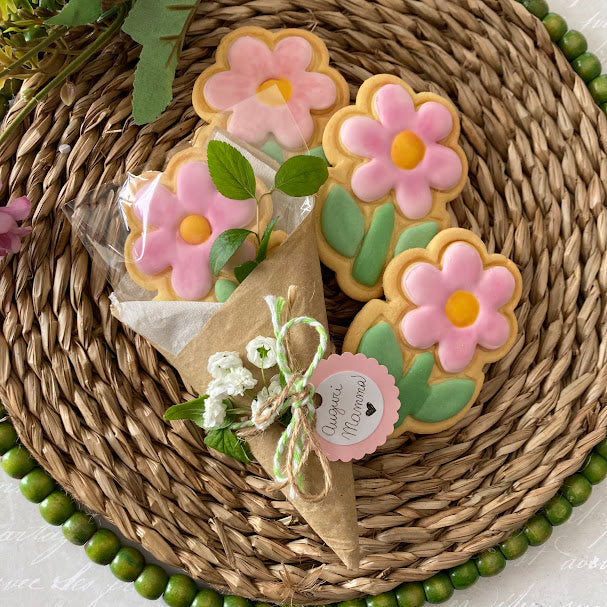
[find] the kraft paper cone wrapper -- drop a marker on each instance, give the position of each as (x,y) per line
(294,265)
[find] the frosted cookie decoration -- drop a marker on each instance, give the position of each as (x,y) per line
(396,164)
(449,311)
(266,84)
(174,217)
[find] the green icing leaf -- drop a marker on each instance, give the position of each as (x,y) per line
(379,342)
(445,400)
(230,171)
(301,175)
(225,441)
(193,410)
(319,153)
(244,269)
(413,387)
(274,151)
(225,245)
(159,26)
(342,222)
(371,258)
(262,249)
(417,237)
(77,12)
(224,288)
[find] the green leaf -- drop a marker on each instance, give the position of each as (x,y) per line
(262,249)
(77,12)
(244,269)
(445,400)
(380,343)
(230,171)
(413,387)
(301,175)
(225,441)
(225,245)
(159,26)
(193,410)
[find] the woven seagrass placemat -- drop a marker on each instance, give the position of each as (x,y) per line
(87,396)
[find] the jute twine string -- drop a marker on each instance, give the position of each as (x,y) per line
(87,396)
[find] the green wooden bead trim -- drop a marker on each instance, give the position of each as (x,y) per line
(598,89)
(231,600)
(102,547)
(180,591)
(594,468)
(539,8)
(556,26)
(464,576)
(538,529)
(573,44)
(410,594)
(438,588)
(36,485)
(576,489)
(515,546)
(57,508)
(151,582)
(587,66)
(79,528)
(558,510)
(17,462)
(491,562)
(209,598)
(127,564)
(8,437)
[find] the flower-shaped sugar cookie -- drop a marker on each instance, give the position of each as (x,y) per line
(174,217)
(449,311)
(267,84)
(396,164)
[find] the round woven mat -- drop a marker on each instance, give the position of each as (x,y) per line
(87,396)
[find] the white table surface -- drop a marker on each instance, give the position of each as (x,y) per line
(39,568)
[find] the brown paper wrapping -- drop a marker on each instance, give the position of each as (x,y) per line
(243,317)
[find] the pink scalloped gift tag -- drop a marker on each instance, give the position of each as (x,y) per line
(359,405)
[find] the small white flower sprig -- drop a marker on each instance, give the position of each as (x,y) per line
(288,392)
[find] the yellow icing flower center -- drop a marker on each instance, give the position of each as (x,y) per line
(270,96)
(462,308)
(407,151)
(195,229)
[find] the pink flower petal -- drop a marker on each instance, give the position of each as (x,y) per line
(366,137)
(413,194)
(317,89)
(373,180)
(292,124)
(493,330)
(433,121)
(191,276)
(291,54)
(224,90)
(442,166)
(462,266)
(394,108)
(251,57)
(251,120)
(153,251)
(196,191)
(495,288)
(7,221)
(423,326)
(224,214)
(156,205)
(18,208)
(456,349)
(424,285)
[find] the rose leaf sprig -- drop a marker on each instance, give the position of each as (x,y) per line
(224,403)
(234,178)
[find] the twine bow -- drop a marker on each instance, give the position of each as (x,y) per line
(298,441)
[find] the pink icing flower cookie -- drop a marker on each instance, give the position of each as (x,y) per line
(266,84)
(449,311)
(396,164)
(174,218)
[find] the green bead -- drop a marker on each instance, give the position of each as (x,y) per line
(385,599)
(352,603)
(79,528)
(209,598)
(595,468)
(539,8)
(8,437)
(558,510)
(180,591)
(515,546)
(573,44)
(438,588)
(576,489)
(56,508)
(231,600)
(410,594)
(36,485)
(463,576)
(601,448)
(17,462)
(151,582)
(102,547)
(587,66)
(556,26)
(127,564)
(491,562)
(538,529)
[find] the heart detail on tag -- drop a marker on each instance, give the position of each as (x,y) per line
(370,410)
